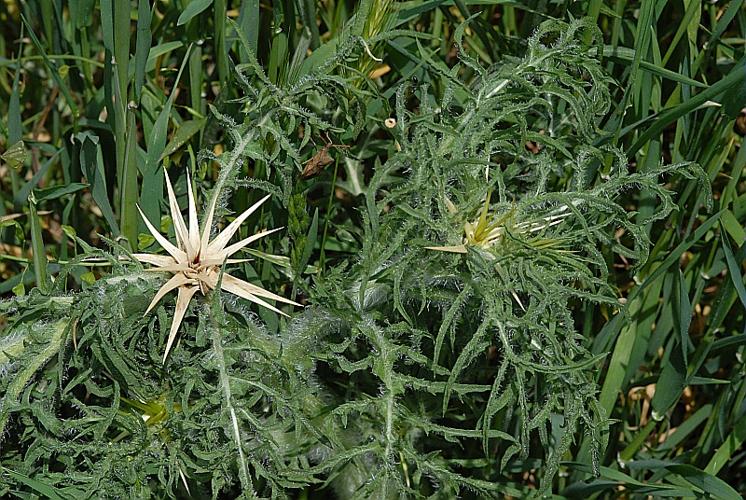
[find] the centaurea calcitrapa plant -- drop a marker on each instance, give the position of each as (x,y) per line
(456,353)
(442,360)
(90,408)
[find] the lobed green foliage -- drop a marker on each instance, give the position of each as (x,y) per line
(542,146)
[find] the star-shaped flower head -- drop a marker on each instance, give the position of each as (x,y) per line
(195,261)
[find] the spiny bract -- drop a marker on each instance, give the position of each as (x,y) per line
(196,262)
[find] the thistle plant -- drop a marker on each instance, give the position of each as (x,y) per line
(439,354)
(469,348)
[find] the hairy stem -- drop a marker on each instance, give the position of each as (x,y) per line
(243,469)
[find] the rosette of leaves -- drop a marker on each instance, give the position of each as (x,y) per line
(467,372)
(89,411)
(85,410)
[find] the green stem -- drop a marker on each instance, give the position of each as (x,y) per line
(37,246)
(243,469)
(220,52)
(128,187)
(328,215)
(638,441)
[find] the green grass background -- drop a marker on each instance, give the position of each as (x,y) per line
(96,96)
